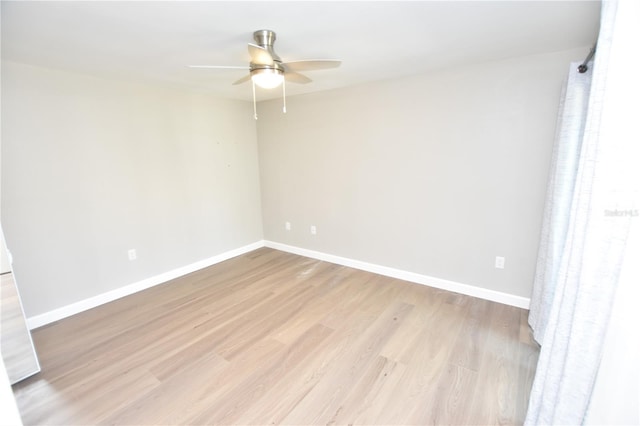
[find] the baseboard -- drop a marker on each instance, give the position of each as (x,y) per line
(92,302)
(469,290)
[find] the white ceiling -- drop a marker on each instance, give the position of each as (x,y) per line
(154,42)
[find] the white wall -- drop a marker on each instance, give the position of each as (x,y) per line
(92,168)
(433,174)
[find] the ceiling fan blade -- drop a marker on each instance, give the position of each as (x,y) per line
(242,80)
(260,55)
(294,77)
(218,67)
(312,64)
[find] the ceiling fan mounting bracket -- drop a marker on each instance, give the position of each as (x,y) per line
(265,39)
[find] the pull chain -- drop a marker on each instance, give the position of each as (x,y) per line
(284,98)
(255,112)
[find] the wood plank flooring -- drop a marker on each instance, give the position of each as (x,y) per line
(274,338)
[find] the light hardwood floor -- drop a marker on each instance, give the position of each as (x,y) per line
(274,338)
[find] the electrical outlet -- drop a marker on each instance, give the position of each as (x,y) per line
(313,230)
(132,254)
(499,262)
(287,226)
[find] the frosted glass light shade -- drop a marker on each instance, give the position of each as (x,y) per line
(267,78)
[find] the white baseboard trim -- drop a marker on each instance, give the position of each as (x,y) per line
(469,290)
(100,299)
(92,302)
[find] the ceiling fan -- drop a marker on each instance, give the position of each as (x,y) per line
(266,68)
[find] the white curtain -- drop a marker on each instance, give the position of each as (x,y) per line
(592,199)
(560,190)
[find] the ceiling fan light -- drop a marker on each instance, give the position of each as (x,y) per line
(267,78)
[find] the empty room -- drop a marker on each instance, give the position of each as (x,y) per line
(319,212)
